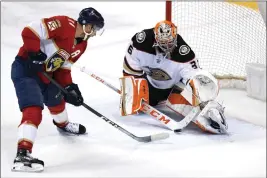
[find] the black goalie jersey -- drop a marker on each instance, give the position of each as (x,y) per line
(142,57)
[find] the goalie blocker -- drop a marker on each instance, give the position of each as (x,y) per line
(199,94)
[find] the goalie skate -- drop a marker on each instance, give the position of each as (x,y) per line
(24,162)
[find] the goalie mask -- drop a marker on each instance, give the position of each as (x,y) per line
(165,36)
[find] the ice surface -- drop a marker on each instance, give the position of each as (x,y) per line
(105,151)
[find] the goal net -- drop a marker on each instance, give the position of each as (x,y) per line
(225,36)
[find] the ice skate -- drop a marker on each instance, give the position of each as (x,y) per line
(24,162)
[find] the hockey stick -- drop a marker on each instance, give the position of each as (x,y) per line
(149,138)
(146,108)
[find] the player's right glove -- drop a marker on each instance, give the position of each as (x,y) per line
(74,95)
(36,60)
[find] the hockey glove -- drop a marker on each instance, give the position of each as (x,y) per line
(74,95)
(35,61)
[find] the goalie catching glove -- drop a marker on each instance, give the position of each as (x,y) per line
(133,92)
(212,118)
(200,91)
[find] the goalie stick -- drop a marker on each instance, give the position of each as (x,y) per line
(145,139)
(146,108)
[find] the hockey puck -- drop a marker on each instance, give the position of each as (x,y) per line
(178,130)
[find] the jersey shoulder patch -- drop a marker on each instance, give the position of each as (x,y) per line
(183,52)
(61,25)
(140,37)
(144,41)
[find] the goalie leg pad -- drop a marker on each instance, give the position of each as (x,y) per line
(179,104)
(184,98)
(133,92)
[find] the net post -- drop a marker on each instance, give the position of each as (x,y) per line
(168,13)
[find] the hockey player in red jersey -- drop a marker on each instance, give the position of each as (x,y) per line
(160,66)
(49,45)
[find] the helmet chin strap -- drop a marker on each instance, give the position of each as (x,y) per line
(159,50)
(87,35)
(167,53)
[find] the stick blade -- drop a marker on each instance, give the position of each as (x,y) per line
(155,137)
(160,136)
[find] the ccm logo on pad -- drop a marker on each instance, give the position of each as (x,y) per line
(154,114)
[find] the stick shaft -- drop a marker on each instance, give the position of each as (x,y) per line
(140,139)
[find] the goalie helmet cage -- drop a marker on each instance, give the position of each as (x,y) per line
(224,35)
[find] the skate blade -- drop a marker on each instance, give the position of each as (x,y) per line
(20,167)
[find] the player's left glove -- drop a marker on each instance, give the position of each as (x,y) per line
(35,61)
(74,95)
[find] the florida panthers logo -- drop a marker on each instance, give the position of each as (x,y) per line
(56,60)
(54,63)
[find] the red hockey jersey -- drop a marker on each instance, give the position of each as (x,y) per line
(49,35)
